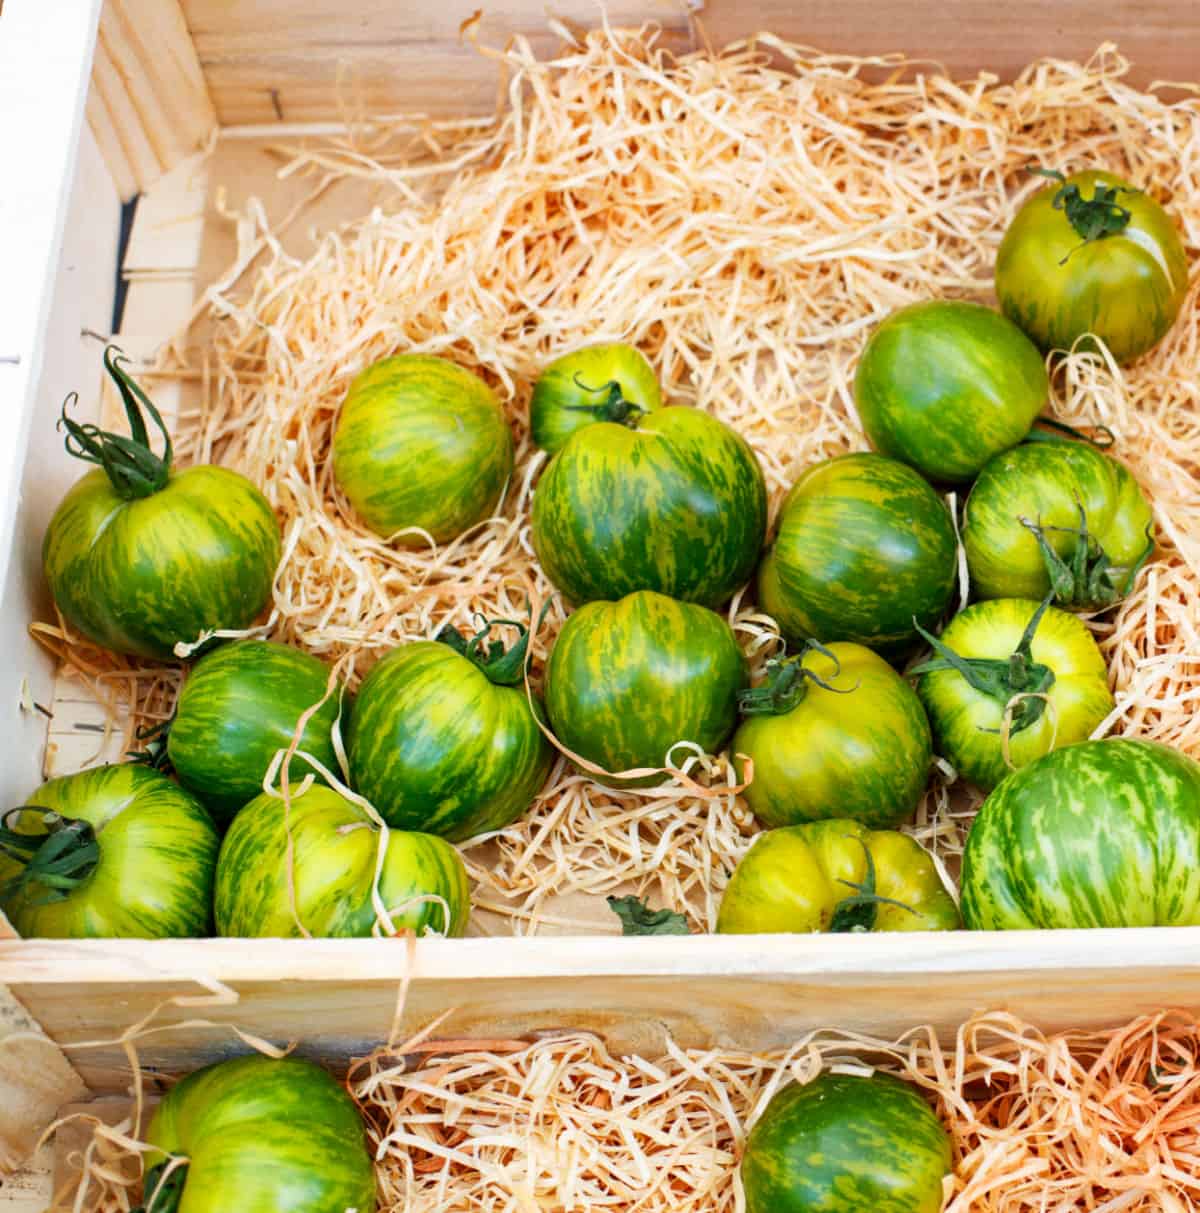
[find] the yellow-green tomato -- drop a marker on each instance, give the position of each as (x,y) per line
(1092,254)
(835,876)
(836,733)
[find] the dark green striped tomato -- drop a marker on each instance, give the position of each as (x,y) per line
(238,708)
(259,1136)
(442,738)
(335,847)
(1099,834)
(834,733)
(835,876)
(863,545)
(846,1143)
(671,501)
(627,680)
(946,385)
(114,852)
(141,558)
(596,383)
(1057,516)
(421,443)
(1011,675)
(1092,254)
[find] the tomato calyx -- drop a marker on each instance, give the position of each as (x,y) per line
(154,755)
(59,860)
(859,912)
(132,466)
(1092,218)
(637,918)
(501,666)
(1102,440)
(786,683)
(614,407)
(164,1184)
(1018,683)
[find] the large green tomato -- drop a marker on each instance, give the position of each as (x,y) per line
(140,558)
(1099,834)
(238,708)
(835,876)
(423,883)
(596,383)
(671,501)
(125,854)
(1092,254)
(864,545)
(1056,515)
(442,738)
(834,733)
(258,1136)
(845,1143)
(1016,666)
(421,442)
(946,385)
(627,680)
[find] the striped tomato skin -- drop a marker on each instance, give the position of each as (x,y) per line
(139,576)
(158,856)
(1099,834)
(968,724)
(861,750)
(863,545)
(627,680)
(1047,483)
(436,747)
(846,1143)
(334,853)
(793,879)
(945,385)
(262,1135)
(676,505)
(421,442)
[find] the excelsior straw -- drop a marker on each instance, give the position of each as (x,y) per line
(744,218)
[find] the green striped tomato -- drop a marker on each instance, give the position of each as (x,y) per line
(421,442)
(334,852)
(1056,515)
(238,708)
(596,383)
(835,876)
(1099,834)
(945,385)
(673,501)
(863,545)
(146,854)
(1008,649)
(856,747)
(259,1136)
(627,680)
(845,1143)
(1060,275)
(436,745)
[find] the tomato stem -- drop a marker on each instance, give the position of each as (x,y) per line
(1092,218)
(164,1190)
(860,911)
(786,683)
(1105,440)
(613,408)
(501,666)
(59,859)
(132,466)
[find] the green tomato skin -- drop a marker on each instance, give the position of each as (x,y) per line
(861,751)
(436,747)
(863,545)
(967,723)
(1124,288)
(1046,483)
(677,505)
(239,706)
(158,856)
(945,385)
(421,442)
(627,680)
(140,576)
(334,852)
(846,1144)
(1099,834)
(561,396)
(264,1136)
(792,880)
